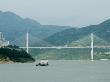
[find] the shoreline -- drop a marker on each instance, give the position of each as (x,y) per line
(6,62)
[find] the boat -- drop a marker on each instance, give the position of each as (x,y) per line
(43,63)
(104,59)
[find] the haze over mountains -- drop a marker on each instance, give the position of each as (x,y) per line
(14,28)
(102,31)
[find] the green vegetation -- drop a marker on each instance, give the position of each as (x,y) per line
(15,54)
(72,35)
(71,54)
(64,54)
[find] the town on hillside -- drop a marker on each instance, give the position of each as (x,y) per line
(3,42)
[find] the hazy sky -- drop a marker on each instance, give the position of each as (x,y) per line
(60,12)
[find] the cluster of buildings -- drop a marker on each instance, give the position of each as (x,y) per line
(3,42)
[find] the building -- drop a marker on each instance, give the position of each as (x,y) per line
(3,42)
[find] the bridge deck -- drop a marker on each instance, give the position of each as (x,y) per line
(60,47)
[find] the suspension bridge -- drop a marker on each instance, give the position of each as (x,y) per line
(92,46)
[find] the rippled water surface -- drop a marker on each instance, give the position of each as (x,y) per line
(57,71)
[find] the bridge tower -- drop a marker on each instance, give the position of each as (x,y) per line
(92,46)
(27,42)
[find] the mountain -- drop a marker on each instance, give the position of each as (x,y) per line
(79,37)
(14,27)
(72,35)
(86,41)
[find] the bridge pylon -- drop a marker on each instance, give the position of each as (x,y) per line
(92,46)
(27,42)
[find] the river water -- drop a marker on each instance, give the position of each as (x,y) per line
(57,71)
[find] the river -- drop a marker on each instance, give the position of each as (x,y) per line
(57,71)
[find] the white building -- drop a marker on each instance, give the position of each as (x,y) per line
(3,42)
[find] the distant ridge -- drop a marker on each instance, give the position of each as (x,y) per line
(14,26)
(72,35)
